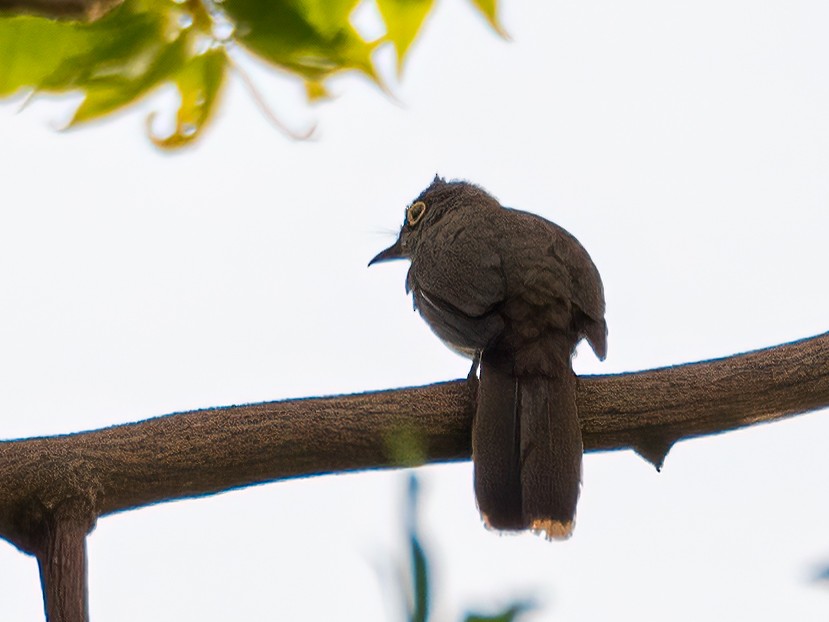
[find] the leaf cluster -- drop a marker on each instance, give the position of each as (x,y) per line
(142,45)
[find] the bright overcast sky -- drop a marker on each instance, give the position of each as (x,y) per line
(686,144)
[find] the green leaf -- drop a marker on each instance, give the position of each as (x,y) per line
(32,48)
(199,84)
(116,48)
(150,65)
(420,570)
(44,54)
(489,9)
(403,19)
(420,611)
(113,61)
(312,38)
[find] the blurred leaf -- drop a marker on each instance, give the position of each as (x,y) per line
(312,38)
(315,90)
(119,59)
(198,83)
(403,19)
(151,64)
(505,616)
(406,447)
(47,55)
(489,8)
(417,594)
(117,49)
(113,61)
(328,15)
(419,611)
(32,48)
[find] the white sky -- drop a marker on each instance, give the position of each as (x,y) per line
(686,144)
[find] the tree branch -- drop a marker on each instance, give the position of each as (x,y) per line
(62,563)
(80,10)
(209,451)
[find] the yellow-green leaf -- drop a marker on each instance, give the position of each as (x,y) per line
(32,48)
(311,38)
(151,64)
(403,19)
(328,16)
(199,84)
(315,90)
(43,54)
(489,8)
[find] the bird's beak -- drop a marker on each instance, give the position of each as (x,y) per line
(395,251)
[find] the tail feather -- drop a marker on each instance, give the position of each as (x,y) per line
(527,451)
(496,449)
(551,452)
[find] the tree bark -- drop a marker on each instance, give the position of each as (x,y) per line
(57,538)
(209,451)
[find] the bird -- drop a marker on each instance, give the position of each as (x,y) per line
(515,293)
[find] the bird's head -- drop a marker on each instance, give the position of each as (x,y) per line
(430,206)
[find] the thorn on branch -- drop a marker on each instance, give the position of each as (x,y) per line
(654,448)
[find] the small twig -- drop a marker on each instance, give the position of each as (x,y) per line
(264,107)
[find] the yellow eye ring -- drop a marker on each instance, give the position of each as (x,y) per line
(415,213)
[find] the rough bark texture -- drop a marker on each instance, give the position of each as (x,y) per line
(62,562)
(649,411)
(79,10)
(52,489)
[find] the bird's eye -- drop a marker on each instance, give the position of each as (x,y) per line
(415,213)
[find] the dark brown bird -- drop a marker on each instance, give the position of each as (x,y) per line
(517,293)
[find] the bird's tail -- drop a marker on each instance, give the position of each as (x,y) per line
(527,451)
(551,452)
(496,448)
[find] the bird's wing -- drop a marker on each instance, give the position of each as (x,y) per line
(459,264)
(568,269)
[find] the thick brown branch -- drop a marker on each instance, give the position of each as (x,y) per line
(80,10)
(648,411)
(208,451)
